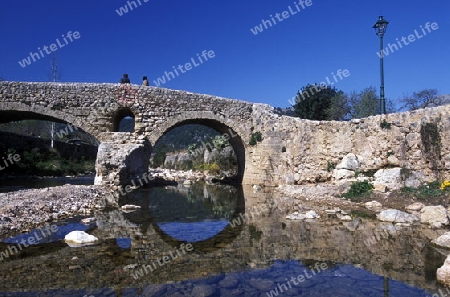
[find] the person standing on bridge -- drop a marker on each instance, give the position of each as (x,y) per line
(125,79)
(145,81)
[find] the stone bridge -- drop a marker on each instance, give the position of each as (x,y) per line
(292,150)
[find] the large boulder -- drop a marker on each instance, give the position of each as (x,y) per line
(397,216)
(436,216)
(390,178)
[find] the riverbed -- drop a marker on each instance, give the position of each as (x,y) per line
(206,240)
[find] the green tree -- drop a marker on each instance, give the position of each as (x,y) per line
(421,99)
(318,102)
(364,103)
(339,109)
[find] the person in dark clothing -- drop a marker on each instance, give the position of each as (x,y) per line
(125,79)
(145,81)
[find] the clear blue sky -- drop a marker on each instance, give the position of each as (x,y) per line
(268,67)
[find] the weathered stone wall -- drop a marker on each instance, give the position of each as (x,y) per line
(313,147)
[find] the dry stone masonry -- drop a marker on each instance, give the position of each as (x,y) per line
(409,147)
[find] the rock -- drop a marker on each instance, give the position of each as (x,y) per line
(390,177)
(343,174)
(187,183)
(203,291)
(256,188)
(311,215)
(396,216)
(88,221)
(260,284)
(302,216)
(415,179)
(393,161)
(443,240)
(443,273)
(228,282)
(130,267)
(349,162)
(374,206)
(353,225)
(416,206)
(434,215)
(130,207)
(344,187)
(79,238)
(346,218)
(380,188)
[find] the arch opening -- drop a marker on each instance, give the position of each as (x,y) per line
(224,139)
(46,146)
(124,120)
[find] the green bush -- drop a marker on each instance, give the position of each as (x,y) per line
(212,168)
(330,166)
(385,125)
(255,138)
(431,189)
(357,190)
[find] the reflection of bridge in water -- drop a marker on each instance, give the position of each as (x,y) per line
(404,257)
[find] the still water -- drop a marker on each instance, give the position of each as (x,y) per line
(27,182)
(220,241)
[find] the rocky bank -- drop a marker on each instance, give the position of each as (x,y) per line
(23,210)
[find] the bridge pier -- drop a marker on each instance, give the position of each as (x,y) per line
(122,159)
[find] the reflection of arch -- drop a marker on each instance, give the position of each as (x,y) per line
(225,237)
(233,135)
(120,115)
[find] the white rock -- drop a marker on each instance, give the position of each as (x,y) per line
(311,215)
(434,215)
(416,206)
(79,238)
(302,216)
(390,177)
(343,174)
(87,221)
(374,206)
(346,218)
(396,216)
(443,240)
(130,207)
(349,162)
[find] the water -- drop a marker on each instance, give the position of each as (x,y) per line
(20,183)
(221,241)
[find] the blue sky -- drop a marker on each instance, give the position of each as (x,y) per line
(269,67)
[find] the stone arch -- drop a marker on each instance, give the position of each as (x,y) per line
(18,111)
(223,127)
(121,114)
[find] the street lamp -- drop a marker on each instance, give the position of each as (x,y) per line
(380,28)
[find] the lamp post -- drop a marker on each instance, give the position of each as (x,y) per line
(380,28)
